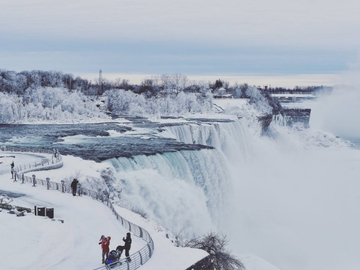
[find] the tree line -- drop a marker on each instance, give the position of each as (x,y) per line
(20,82)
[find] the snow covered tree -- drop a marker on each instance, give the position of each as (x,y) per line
(173,83)
(219,258)
(10,109)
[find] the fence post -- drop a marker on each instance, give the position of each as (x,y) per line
(34,180)
(149,250)
(14,176)
(62,186)
(48,182)
(141,262)
(22,178)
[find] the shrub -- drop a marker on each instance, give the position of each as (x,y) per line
(219,258)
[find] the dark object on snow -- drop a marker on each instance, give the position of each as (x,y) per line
(6,206)
(39,211)
(74,186)
(42,211)
(127,246)
(20,208)
(17,213)
(49,212)
(12,170)
(114,256)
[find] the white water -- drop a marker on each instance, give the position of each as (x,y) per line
(184,191)
(294,199)
(231,138)
(291,198)
(338,112)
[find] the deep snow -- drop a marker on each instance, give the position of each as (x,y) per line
(299,192)
(70,240)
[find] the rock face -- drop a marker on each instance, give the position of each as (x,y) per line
(286,117)
(293,116)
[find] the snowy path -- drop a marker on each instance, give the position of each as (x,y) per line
(34,242)
(38,243)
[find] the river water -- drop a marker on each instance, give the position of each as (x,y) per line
(96,142)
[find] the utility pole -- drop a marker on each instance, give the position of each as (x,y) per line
(100,83)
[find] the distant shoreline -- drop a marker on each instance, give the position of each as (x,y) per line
(289,81)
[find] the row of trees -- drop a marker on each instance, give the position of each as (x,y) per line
(60,105)
(165,84)
(48,104)
(297,89)
(120,102)
(19,83)
(47,96)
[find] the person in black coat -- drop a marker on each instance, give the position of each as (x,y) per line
(12,170)
(74,186)
(127,246)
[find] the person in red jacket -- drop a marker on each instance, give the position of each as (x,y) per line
(105,243)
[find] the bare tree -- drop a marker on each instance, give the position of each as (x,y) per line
(173,83)
(117,83)
(219,258)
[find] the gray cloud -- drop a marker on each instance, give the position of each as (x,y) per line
(306,36)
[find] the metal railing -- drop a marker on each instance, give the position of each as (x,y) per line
(45,164)
(23,149)
(138,258)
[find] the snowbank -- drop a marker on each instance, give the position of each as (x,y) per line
(70,240)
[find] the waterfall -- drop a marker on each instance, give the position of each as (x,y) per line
(280,119)
(231,138)
(185,191)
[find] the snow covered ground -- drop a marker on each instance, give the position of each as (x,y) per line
(70,240)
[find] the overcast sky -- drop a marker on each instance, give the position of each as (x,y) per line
(203,37)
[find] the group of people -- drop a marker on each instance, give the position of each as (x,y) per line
(105,247)
(104,241)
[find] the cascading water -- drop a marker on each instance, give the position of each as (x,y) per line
(280,120)
(291,194)
(184,191)
(230,137)
(285,197)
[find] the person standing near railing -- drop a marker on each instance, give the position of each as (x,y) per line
(12,169)
(74,186)
(127,246)
(105,243)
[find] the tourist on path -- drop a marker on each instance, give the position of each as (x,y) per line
(74,186)
(127,246)
(12,169)
(105,243)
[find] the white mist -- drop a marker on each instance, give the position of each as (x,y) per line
(296,199)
